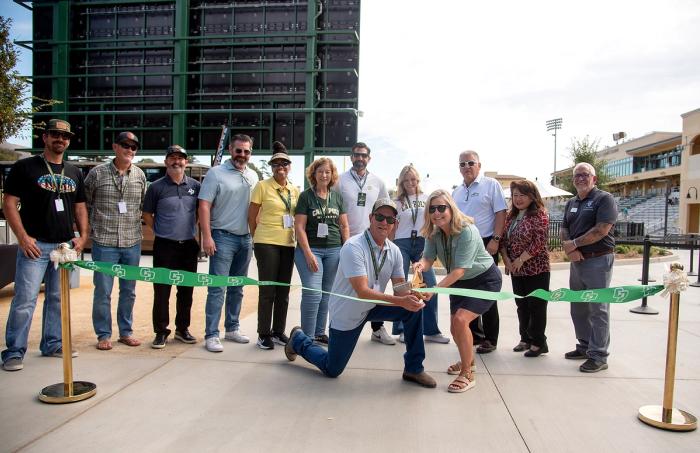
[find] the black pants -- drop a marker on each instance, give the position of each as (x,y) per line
(176,255)
(532,311)
(486,326)
(275,263)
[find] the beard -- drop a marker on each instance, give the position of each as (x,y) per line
(359,165)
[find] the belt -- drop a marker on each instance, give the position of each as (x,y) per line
(173,241)
(589,255)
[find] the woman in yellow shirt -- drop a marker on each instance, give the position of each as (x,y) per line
(271,221)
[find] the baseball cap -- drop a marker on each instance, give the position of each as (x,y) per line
(176,149)
(58,125)
(385,202)
(128,136)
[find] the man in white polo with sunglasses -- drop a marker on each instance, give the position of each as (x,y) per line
(482,198)
(223,219)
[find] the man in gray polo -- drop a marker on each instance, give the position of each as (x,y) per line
(587,238)
(170,209)
(223,220)
(367,262)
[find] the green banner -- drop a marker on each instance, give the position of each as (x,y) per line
(618,294)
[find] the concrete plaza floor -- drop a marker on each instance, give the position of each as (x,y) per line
(246,399)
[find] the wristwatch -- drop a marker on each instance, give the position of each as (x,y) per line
(496,238)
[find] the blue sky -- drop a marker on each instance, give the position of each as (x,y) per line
(487,75)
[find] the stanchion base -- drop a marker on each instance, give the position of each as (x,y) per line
(650,280)
(55,394)
(695,284)
(680,420)
(692,274)
(644,310)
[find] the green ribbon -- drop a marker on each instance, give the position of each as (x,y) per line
(615,295)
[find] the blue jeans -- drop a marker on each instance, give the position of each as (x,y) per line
(232,257)
(314,305)
(28,277)
(341,343)
(592,320)
(412,251)
(102,297)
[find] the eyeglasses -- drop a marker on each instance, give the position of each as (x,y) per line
(381,217)
(437,207)
(582,175)
(360,155)
(471,163)
(279,164)
(242,151)
(63,135)
(128,146)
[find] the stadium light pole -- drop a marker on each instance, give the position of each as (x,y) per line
(554,125)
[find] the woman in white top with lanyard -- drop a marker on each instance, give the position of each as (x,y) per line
(410,201)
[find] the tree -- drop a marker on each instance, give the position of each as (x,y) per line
(585,150)
(15,109)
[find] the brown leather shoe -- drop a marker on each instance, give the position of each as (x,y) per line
(422,378)
(485,347)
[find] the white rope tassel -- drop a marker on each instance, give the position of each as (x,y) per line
(63,254)
(675,280)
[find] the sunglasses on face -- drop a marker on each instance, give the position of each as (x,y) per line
(437,207)
(279,164)
(128,146)
(242,151)
(360,155)
(381,217)
(63,135)
(471,163)
(582,175)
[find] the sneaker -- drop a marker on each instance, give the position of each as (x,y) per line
(159,341)
(402,339)
(593,366)
(185,336)
(437,338)
(485,347)
(280,338)
(383,337)
(265,342)
(288,349)
(213,344)
(575,355)
(320,339)
(12,364)
(237,337)
(59,354)
(535,351)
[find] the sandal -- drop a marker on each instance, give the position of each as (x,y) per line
(456,368)
(129,341)
(462,383)
(104,345)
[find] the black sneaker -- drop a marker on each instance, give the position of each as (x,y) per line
(593,366)
(280,338)
(575,355)
(265,342)
(321,339)
(159,341)
(185,337)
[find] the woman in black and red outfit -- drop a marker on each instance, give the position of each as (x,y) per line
(526,257)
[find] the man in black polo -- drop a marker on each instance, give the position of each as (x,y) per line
(587,238)
(170,209)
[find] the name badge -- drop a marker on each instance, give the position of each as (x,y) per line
(574,209)
(361,198)
(59,205)
(376,287)
(122,207)
(322,231)
(287,221)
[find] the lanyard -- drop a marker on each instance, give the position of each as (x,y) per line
(56,183)
(414,209)
(323,209)
(119,188)
(288,201)
(514,223)
(358,181)
(447,247)
(377,267)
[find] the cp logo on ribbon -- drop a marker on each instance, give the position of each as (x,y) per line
(147,274)
(176,277)
(118,270)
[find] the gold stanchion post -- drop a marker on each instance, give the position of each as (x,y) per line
(68,391)
(666,416)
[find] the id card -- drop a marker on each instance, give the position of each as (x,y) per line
(322,231)
(287,221)
(59,205)
(574,209)
(376,287)
(122,207)
(361,198)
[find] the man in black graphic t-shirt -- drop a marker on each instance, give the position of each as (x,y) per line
(44,197)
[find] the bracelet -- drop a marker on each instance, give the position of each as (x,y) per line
(574,242)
